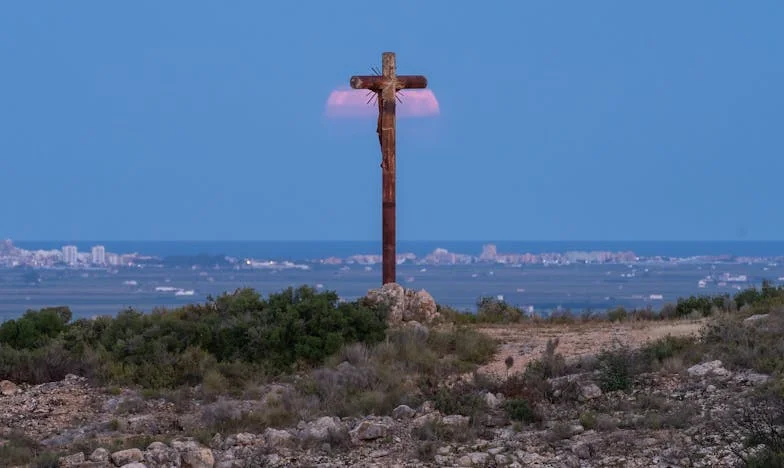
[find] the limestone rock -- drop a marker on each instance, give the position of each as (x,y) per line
(71,460)
(404,305)
(421,307)
(244,438)
(8,388)
(755,318)
(200,458)
(429,418)
(124,457)
(582,450)
(474,459)
(134,465)
(427,407)
(159,454)
(589,392)
(321,428)
(712,367)
(403,412)
(276,438)
(752,378)
(370,430)
(492,401)
(99,455)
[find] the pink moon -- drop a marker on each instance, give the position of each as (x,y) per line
(344,103)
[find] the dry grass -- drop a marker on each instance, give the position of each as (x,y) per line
(527,341)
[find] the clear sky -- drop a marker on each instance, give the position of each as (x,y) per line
(168,120)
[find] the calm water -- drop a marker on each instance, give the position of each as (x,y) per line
(574,287)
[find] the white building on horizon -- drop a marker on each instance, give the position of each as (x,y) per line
(70,254)
(99,255)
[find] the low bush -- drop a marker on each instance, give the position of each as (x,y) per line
(35,329)
(588,420)
(520,410)
(616,369)
(227,340)
(494,310)
(19,450)
(461,398)
(406,368)
(703,305)
(618,314)
(743,345)
(656,353)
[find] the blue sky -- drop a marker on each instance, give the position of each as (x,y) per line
(560,120)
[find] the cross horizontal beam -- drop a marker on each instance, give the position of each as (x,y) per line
(376,83)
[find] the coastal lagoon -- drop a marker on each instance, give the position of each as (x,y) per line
(576,287)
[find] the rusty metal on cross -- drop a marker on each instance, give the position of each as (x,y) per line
(386,86)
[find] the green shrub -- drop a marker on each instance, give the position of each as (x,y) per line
(520,410)
(588,420)
(35,328)
(667,347)
(703,305)
(461,399)
(616,369)
(494,310)
(229,339)
(618,314)
(766,295)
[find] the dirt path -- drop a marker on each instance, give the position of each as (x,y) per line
(526,342)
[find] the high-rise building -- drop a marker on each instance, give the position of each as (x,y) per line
(113,259)
(99,255)
(489,252)
(70,254)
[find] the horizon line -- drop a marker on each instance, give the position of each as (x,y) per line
(399,241)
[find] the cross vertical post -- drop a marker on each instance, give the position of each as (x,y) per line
(388,171)
(386,86)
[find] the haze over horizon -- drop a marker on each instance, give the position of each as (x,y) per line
(189,120)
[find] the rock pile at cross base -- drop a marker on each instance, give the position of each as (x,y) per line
(61,414)
(405,305)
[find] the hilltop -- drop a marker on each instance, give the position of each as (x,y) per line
(342,384)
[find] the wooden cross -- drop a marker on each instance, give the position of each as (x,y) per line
(385,86)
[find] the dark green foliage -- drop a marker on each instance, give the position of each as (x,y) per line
(520,410)
(616,369)
(618,314)
(462,398)
(35,328)
(700,304)
(767,294)
(494,310)
(669,346)
(239,333)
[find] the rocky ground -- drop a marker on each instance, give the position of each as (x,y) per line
(669,419)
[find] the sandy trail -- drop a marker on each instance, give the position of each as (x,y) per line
(525,342)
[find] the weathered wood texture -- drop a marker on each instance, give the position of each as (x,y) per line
(385,86)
